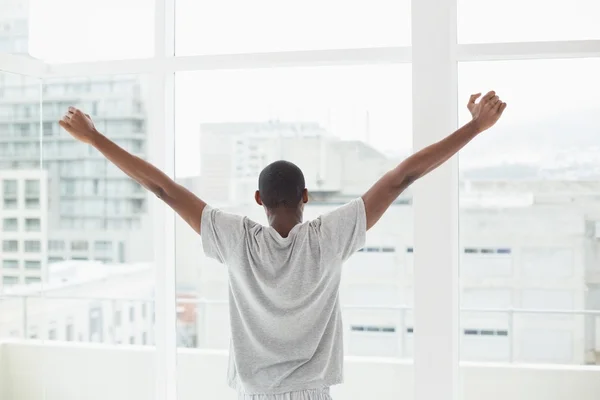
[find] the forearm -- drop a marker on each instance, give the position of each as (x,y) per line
(138,169)
(431,157)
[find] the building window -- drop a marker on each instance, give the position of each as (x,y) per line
(79,245)
(485,332)
(131,340)
(33,264)
(144,338)
(10,280)
(370,328)
(144,311)
(55,259)
(32,188)
(32,203)
(10,246)
(32,279)
(56,245)
(118,318)
(10,204)
(10,225)
(10,188)
(10,264)
(103,245)
(52,334)
(32,224)
(69,336)
(33,246)
(131,314)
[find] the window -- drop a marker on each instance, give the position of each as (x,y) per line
(32,203)
(32,224)
(383,329)
(69,336)
(10,204)
(10,246)
(526,193)
(334,123)
(33,246)
(56,245)
(131,314)
(79,245)
(10,280)
(558,21)
(10,187)
(33,264)
(32,279)
(355,26)
(10,225)
(103,246)
(10,264)
(32,188)
(121,43)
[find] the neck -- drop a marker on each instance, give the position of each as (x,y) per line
(284,220)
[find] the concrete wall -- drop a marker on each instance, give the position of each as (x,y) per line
(31,371)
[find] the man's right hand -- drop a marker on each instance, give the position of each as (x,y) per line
(79,125)
(487,112)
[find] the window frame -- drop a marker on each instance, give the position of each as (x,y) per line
(434,55)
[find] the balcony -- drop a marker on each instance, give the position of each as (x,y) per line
(66,371)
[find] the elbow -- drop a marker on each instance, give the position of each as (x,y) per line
(158,192)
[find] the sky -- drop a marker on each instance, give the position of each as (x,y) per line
(340,98)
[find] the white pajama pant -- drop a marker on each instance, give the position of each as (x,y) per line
(311,394)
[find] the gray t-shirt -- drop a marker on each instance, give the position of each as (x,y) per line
(286,323)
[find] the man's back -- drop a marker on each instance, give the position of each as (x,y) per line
(286,327)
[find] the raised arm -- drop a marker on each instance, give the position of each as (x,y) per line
(383,193)
(184,202)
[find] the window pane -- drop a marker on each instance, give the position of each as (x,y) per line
(483,21)
(14,27)
(104,30)
(335,123)
(80,200)
(211,27)
(529,213)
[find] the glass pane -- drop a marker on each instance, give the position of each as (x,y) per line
(70,290)
(103,30)
(24,226)
(14,27)
(529,223)
(344,127)
(236,26)
(486,21)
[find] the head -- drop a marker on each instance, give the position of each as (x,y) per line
(281,188)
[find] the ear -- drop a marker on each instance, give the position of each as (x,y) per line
(257,198)
(305,196)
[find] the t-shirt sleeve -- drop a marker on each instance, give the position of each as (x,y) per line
(344,230)
(221,233)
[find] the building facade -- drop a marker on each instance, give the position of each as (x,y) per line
(24,233)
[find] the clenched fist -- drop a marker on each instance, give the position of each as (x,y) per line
(487,112)
(79,125)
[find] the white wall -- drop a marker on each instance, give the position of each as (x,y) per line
(72,372)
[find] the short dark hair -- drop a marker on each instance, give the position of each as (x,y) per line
(281,184)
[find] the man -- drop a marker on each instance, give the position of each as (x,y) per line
(286,326)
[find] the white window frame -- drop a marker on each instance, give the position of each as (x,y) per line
(434,56)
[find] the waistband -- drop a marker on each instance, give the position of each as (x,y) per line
(309,394)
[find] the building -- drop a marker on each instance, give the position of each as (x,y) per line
(24,233)
(529,250)
(83,302)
